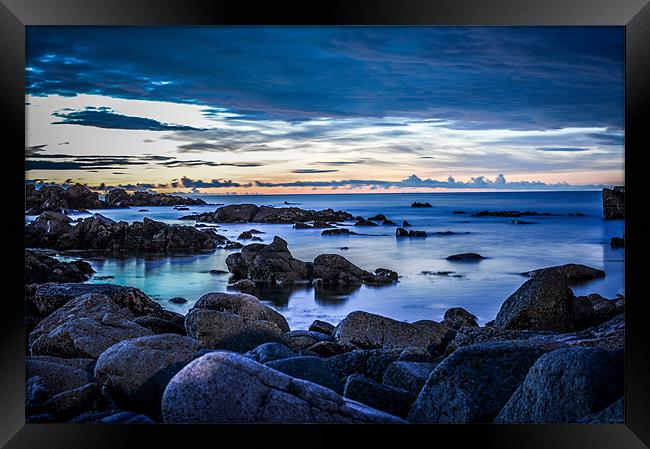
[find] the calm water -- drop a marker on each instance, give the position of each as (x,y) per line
(480,287)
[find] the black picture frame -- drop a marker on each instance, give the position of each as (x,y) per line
(634,15)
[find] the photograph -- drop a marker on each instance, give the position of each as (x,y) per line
(327,224)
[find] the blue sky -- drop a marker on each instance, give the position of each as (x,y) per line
(255,109)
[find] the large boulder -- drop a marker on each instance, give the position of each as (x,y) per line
(614,202)
(572,272)
(382,397)
(313,369)
(237,322)
(41,268)
(271,264)
(409,376)
(137,371)
(224,387)
(544,302)
(84,327)
(56,377)
(49,297)
(565,385)
(369,331)
(334,269)
(371,363)
(459,318)
(475,382)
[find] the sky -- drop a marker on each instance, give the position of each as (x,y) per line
(254,110)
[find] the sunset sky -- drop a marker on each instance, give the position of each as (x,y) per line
(325,109)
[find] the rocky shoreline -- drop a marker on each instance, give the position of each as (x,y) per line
(110,354)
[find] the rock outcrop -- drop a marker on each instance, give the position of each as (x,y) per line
(250,213)
(121,198)
(227,388)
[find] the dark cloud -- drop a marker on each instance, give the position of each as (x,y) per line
(563,149)
(190,183)
(106,118)
(480,77)
(312,170)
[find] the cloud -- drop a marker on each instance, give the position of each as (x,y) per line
(219,183)
(478,77)
(312,170)
(107,118)
(563,149)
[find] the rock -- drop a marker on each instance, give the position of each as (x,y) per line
(408,376)
(389,223)
(371,363)
(235,389)
(545,303)
(565,385)
(364,222)
(338,231)
(326,349)
(417,204)
(322,327)
(40,268)
(243,285)
(299,340)
(160,325)
(137,371)
(246,235)
(334,269)
(475,382)
(406,224)
(381,397)
(312,369)
(614,203)
(68,404)
(120,198)
(84,327)
(378,217)
(466,257)
(268,352)
(459,318)
(617,242)
(368,331)
(271,264)
(178,300)
(400,232)
(52,224)
(233,245)
(54,198)
(614,414)
(256,239)
(415,355)
(55,377)
(390,274)
(50,297)
(573,273)
(112,417)
(266,214)
(238,322)
(36,393)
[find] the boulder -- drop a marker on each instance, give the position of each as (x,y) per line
(381,397)
(271,264)
(68,404)
(565,385)
(312,369)
(112,417)
(546,303)
(378,217)
(299,340)
(573,273)
(326,349)
(389,223)
(36,394)
(84,327)
(50,297)
(369,331)
(137,371)
(465,257)
(243,285)
(371,363)
(459,318)
(160,325)
(409,376)
(322,327)
(415,355)
(334,269)
(40,268)
(236,322)
(401,232)
(614,414)
(268,352)
(475,382)
(338,231)
(56,377)
(178,300)
(614,203)
(364,222)
(385,272)
(224,387)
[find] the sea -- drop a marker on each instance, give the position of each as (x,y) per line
(428,284)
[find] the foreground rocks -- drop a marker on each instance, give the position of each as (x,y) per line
(614,203)
(40,268)
(273,264)
(250,213)
(103,234)
(234,389)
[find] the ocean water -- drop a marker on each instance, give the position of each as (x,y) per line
(480,287)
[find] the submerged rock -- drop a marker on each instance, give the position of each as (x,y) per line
(417,204)
(224,387)
(565,385)
(400,232)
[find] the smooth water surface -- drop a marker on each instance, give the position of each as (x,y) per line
(479,287)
